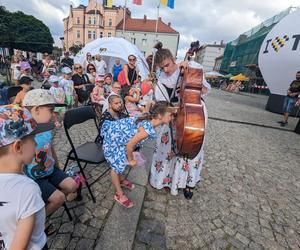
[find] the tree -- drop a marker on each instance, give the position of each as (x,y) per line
(75,48)
(24,32)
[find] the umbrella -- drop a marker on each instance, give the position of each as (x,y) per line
(239,77)
(228,76)
(213,74)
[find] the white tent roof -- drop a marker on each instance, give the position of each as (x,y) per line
(112,47)
(214,73)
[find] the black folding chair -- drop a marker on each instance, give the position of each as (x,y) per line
(89,152)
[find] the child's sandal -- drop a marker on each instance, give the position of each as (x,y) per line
(126,203)
(127,184)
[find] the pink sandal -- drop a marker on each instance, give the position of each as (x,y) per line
(127,184)
(126,203)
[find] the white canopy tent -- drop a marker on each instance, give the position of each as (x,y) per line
(111,48)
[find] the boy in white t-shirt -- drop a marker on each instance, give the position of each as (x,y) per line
(22,210)
(68,86)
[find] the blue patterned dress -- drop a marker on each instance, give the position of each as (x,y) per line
(116,135)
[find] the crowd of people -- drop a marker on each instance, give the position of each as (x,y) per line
(131,111)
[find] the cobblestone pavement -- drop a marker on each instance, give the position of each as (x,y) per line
(249,195)
(88,217)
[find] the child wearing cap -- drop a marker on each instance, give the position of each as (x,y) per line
(22,210)
(59,95)
(97,95)
(25,83)
(67,84)
(53,182)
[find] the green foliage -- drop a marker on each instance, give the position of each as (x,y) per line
(74,49)
(25,32)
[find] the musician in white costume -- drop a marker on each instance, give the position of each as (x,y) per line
(167,169)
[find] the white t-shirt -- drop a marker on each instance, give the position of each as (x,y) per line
(100,67)
(20,197)
(68,86)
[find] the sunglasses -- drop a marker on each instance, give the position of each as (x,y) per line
(131,59)
(91,69)
(78,67)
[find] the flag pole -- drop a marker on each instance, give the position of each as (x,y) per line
(155,36)
(124,18)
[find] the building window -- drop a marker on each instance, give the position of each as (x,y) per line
(78,34)
(109,22)
(94,20)
(101,34)
(133,40)
(109,34)
(90,20)
(89,34)
(144,42)
(78,20)
(94,34)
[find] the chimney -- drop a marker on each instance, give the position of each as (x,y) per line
(145,18)
(169,24)
(159,19)
(222,42)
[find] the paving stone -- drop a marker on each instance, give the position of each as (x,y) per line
(100,212)
(97,223)
(79,230)
(72,244)
(91,233)
(67,227)
(85,244)
(61,241)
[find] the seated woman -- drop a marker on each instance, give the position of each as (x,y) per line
(91,72)
(132,97)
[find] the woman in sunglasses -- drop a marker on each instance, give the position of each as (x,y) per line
(91,72)
(80,80)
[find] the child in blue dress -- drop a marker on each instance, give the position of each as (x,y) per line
(122,136)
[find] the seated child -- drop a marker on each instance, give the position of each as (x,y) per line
(67,84)
(53,182)
(107,84)
(25,83)
(122,136)
(131,99)
(97,95)
(59,96)
(22,210)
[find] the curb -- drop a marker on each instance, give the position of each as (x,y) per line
(120,227)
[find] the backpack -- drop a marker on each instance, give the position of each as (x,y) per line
(121,78)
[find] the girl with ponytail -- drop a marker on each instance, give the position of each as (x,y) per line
(122,136)
(167,169)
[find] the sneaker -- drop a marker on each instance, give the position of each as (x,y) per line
(282,124)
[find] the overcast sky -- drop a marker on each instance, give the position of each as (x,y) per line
(204,20)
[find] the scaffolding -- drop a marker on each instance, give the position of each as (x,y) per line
(245,49)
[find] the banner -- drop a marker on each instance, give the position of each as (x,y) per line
(279,57)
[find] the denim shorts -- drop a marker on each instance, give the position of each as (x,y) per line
(289,104)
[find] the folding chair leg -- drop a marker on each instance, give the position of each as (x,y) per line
(68,212)
(86,182)
(66,164)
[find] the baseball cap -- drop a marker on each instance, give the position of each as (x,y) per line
(39,97)
(53,79)
(25,65)
(17,122)
(25,80)
(66,70)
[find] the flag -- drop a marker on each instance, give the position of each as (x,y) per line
(108,3)
(169,3)
(137,2)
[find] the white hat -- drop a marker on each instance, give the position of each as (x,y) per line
(39,97)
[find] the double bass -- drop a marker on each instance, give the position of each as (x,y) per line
(190,118)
